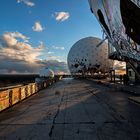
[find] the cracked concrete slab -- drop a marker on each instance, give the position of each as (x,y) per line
(82,110)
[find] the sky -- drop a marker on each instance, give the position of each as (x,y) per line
(39,33)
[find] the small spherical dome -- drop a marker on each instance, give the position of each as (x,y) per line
(46,72)
(85,55)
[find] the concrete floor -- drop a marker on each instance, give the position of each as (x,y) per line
(73,110)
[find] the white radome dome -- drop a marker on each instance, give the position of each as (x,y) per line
(46,72)
(85,54)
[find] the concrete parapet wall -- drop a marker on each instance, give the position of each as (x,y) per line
(10,97)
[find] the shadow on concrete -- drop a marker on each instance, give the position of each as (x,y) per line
(83,110)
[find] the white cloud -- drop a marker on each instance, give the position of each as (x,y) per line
(58,48)
(8,40)
(50,52)
(37,27)
(118,65)
(14,40)
(41,46)
(19,35)
(62,16)
(17,56)
(26,2)
(10,46)
(57,66)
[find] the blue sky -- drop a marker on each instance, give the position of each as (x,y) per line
(57,35)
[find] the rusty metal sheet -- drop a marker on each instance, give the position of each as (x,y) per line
(29,90)
(39,86)
(36,87)
(4,100)
(23,92)
(33,88)
(45,84)
(48,82)
(15,95)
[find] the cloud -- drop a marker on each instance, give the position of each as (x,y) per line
(58,48)
(26,2)
(19,35)
(62,16)
(37,27)
(14,40)
(17,56)
(13,49)
(42,46)
(118,65)
(57,66)
(18,61)
(50,52)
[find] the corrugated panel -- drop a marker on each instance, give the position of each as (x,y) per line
(36,87)
(40,86)
(15,95)
(23,93)
(4,100)
(33,88)
(45,84)
(29,90)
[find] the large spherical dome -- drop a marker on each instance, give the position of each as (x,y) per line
(46,72)
(85,55)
